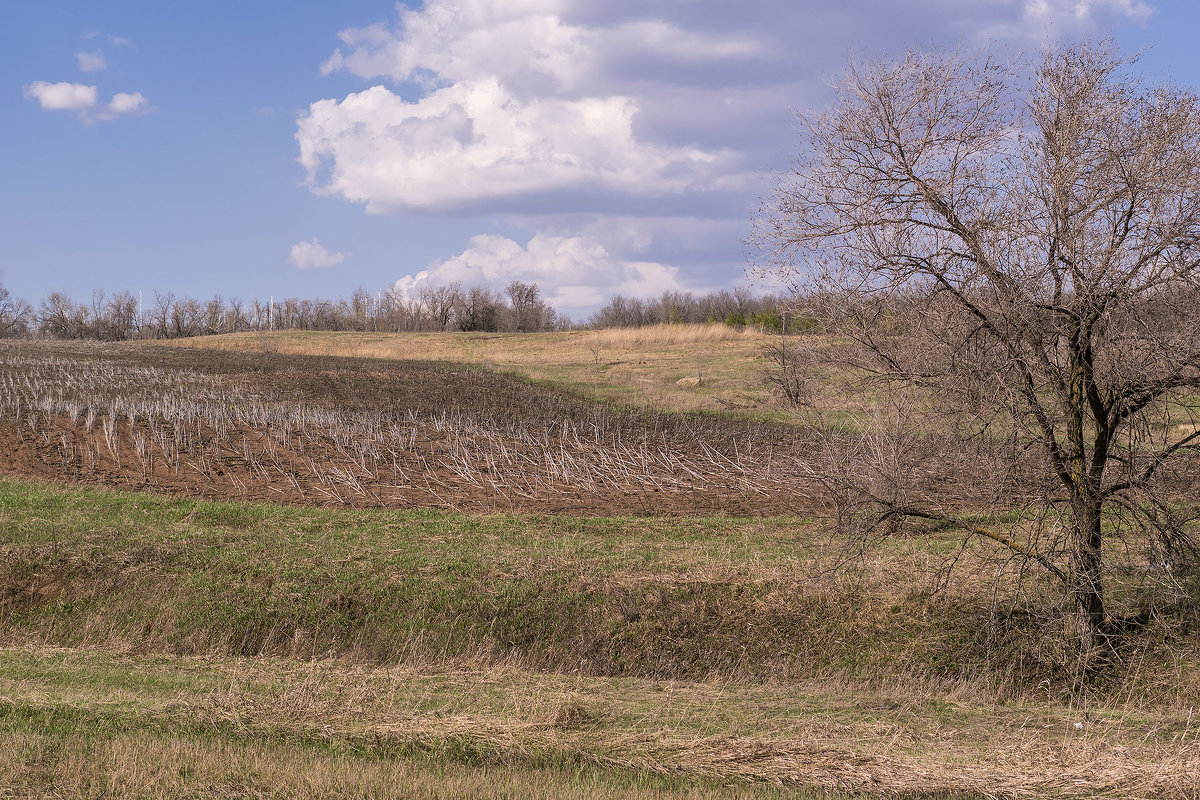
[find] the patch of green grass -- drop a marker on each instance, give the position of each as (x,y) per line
(656,597)
(746,600)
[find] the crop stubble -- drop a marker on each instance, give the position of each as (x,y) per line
(352,432)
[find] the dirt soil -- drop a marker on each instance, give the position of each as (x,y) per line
(473,439)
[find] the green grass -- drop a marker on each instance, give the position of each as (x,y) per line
(164,647)
(663,598)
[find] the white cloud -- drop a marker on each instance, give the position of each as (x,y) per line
(91,62)
(1086,11)
(115,41)
(514,113)
(62,96)
(81,99)
(521,105)
(573,117)
(314,255)
(575,273)
(1041,20)
(474,146)
(127,103)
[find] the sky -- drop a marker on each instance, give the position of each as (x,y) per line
(251,148)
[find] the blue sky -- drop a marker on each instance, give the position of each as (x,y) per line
(260,148)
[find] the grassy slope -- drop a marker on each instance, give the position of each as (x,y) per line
(658,598)
(656,366)
(447,662)
(156,647)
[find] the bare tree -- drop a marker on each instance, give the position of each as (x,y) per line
(396,310)
(15,315)
(120,320)
(529,311)
(1022,247)
(479,309)
(55,315)
(438,302)
(235,316)
(360,309)
(161,315)
(786,371)
(213,316)
(187,318)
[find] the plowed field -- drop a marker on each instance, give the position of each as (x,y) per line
(372,433)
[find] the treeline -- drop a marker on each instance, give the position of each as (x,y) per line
(736,308)
(123,315)
(519,308)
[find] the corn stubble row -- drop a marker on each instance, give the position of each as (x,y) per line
(223,432)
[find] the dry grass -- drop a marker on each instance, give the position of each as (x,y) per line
(327,431)
(636,366)
(150,764)
(368,725)
(668,336)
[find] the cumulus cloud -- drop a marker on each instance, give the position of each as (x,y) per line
(314,255)
(514,112)
(576,273)
(91,62)
(553,103)
(83,100)
(62,96)
(548,111)
(476,147)
(127,103)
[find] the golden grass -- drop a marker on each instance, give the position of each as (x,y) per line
(152,726)
(637,366)
(143,764)
(669,336)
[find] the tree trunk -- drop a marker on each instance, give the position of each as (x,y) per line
(1087,584)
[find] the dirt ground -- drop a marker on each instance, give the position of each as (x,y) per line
(370,433)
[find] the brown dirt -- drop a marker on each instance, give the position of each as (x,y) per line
(471,432)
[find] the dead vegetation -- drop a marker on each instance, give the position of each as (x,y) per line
(331,724)
(631,366)
(336,432)
(349,650)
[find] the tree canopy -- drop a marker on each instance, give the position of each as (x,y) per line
(1019,245)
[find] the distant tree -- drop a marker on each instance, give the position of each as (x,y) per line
(395,310)
(161,314)
(1038,237)
(16,315)
(120,317)
(529,311)
(214,316)
(234,316)
(187,318)
(55,315)
(361,302)
(479,309)
(438,303)
(621,312)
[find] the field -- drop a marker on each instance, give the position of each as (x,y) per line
(330,431)
(272,574)
(678,367)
